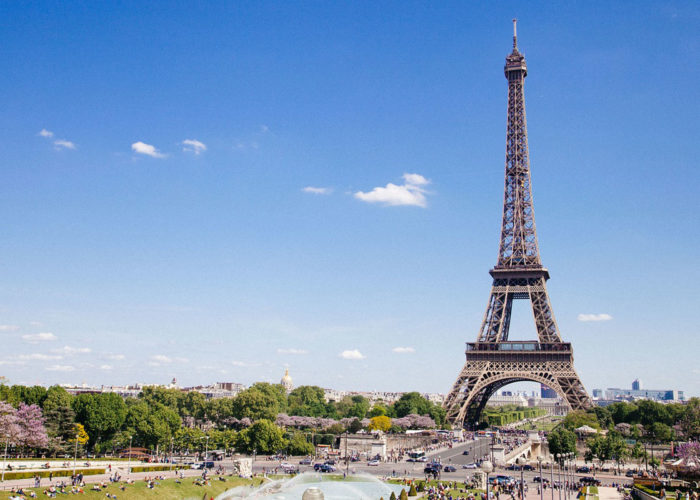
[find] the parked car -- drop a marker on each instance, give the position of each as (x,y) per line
(629,473)
(469,466)
(589,481)
(583,469)
(538,479)
(449,468)
(373,463)
(326,468)
(465,452)
(317,467)
(528,467)
(305,461)
(513,467)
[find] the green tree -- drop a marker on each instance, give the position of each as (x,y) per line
(355,426)
(102,415)
(60,426)
(263,436)
(658,432)
(561,440)
(690,420)
(56,397)
(309,401)
(298,445)
(256,405)
(579,418)
(378,410)
(353,406)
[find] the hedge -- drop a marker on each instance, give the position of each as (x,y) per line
(154,468)
(56,473)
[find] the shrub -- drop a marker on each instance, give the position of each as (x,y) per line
(56,473)
(152,468)
(403,495)
(412,492)
(393,496)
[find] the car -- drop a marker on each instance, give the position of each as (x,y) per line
(430,470)
(286,464)
(538,479)
(629,473)
(305,461)
(329,462)
(583,469)
(502,479)
(449,468)
(435,465)
(465,452)
(470,466)
(373,463)
(589,481)
(317,467)
(513,467)
(528,467)
(326,468)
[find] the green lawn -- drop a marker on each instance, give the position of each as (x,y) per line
(167,488)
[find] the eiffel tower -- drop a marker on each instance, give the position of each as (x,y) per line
(493,361)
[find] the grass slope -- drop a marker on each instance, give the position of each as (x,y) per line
(167,489)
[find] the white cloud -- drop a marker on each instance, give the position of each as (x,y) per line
(105,367)
(146,149)
(292,351)
(317,190)
(411,192)
(73,350)
(160,358)
(45,133)
(35,338)
(594,317)
(403,350)
(39,356)
(193,146)
(244,363)
(264,129)
(116,357)
(351,354)
(9,328)
(60,368)
(63,144)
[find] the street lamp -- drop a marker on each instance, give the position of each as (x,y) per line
(206,451)
(521,462)
(128,467)
(172,439)
(4,460)
(539,460)
(75,454)
(551,476)
(487,467)
(559,455)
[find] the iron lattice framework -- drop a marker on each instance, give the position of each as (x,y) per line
(493,361)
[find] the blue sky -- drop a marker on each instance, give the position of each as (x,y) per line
(129,255)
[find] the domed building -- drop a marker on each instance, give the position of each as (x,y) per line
(287,381)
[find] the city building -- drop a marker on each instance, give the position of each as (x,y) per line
(547,392)
(637,391)
(637,385)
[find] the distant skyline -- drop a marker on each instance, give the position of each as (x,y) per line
(215,192)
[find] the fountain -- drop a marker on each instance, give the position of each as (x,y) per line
(317,486)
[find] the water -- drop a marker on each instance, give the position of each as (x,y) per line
(355,487)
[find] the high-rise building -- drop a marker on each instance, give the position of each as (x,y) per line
(637,385)
(547,392)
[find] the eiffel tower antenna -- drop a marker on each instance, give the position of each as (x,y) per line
(493,361)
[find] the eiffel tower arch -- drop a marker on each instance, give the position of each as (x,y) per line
(493,361)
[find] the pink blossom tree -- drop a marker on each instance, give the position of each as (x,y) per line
(31,424)
(10,431)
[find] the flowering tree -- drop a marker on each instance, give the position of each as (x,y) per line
(10,430)
(31,423)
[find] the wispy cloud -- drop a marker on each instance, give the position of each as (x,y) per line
(9,328)
(403,350)
(351,354)
(410,193)
(73,350)
(317,190)
(595,317)
(45,133)
(63,144)
(40,356)
(146,149)
(244,364)
(60,368)
(115,357)
(105,367)
(193,146)
(162,359)
(35,338)
(292,351)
